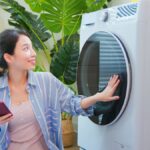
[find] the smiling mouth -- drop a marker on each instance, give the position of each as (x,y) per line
(32,61)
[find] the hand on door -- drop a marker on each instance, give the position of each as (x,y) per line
(108,93)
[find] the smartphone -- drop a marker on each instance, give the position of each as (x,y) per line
(4,109)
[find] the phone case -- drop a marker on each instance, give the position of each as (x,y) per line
(4,109)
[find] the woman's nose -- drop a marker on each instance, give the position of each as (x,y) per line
(33,53)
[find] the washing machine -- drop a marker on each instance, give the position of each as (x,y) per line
(116,41)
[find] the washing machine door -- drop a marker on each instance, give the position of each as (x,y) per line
(103,55)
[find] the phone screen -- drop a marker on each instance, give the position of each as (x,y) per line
(4,109)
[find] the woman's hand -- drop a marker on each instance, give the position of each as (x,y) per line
(6,118)
(107,94)
(104,96)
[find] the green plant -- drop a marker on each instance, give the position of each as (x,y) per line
(64,62)
(60,16)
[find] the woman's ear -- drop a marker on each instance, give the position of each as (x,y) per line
(8,58)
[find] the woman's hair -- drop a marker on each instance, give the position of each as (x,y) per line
(8,40)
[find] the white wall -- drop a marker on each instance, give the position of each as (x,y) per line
(4,20)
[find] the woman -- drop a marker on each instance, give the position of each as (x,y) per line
(36,99)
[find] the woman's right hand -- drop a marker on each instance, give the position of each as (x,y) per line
(6,118)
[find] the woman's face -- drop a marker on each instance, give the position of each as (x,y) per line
(24,56)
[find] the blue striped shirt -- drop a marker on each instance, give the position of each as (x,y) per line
(49,97)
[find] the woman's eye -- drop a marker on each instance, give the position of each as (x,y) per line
(26,48)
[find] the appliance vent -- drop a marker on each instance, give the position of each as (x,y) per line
(127,10)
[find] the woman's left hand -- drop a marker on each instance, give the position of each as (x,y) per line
(107,94)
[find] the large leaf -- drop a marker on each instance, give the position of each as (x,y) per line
(23,19)
(35,5)
(64,62)
(63,15)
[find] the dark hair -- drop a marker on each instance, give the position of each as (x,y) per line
(8,40)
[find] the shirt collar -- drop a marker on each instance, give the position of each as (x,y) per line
(4,79)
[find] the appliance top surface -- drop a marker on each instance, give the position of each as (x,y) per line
(113,14)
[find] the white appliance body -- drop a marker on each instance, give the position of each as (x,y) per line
(132,130)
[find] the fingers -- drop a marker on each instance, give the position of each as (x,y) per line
(114,98)
(116,84)
(5,117)
(6,120)
(113,80)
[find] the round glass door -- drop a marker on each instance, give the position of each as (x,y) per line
(103,55)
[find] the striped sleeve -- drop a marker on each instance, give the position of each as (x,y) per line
(69,102)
